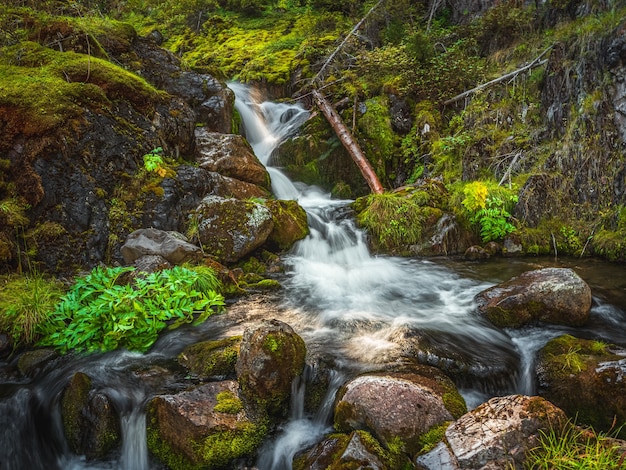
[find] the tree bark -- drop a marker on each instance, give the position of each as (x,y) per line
(348,142)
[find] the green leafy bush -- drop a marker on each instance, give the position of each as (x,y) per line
(101,313)
(25,303)
(489,210)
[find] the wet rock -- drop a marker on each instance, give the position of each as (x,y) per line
(5,345)
(230,155)
(476,252)
(495,435)
(225,186)
(271,356)
(211,359)
(587,379)
(230,229)
(212,101)
(551,295)
(355,450)
(290,223)
(90,422)
(32,362)
(171,246)
(206,427)
(396,406)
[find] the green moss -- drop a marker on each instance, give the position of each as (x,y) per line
(72,82)
(213,452)
(570,355)
(211,358)
(432,437)
(228,402)
(265,285)
(396,222)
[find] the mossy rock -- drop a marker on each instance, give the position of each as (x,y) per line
(290,223)
(585,378)
(271,356)
(90,422)
(210,359)
(203,428)
(398,407)
(352,451)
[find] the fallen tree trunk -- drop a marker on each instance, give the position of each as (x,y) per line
(348,142)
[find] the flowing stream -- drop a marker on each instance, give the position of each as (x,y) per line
(356,312)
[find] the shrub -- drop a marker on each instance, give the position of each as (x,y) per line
(101,313)
(489,210)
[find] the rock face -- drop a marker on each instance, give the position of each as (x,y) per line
(171,246)
(495,435)
(230,155)
(587,379)
(551,295)
(91,424)
(271,356)
(202,428)
(392,406)
(230,229)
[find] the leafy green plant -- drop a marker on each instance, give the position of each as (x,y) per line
(489,210)
(102,313)
(153,162)
(575,448)
(25,304)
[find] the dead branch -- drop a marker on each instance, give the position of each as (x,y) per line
(343,43)
(535,63)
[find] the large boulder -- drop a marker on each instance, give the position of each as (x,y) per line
(171,246)
(550,295)
(586,378)
(398,406)
(90,422)
(206,427)
(229,229)
(495,435)
(230,155)
(271,356)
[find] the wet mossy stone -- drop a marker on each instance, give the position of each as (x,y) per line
(204,428)
(587,379)
(290,223)
(230,229)
(356,450)
(271,356)
(550,295)
(398,408)
(210,359)
(90,422)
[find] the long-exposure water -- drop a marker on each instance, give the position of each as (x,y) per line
(355,311)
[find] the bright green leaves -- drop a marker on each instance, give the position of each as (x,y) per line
(101,313)
(489,210)
(153,162)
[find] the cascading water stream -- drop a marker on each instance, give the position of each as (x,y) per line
(355,311)
(363,311)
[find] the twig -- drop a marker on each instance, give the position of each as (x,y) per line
(508,170)
(345,40)
(556,254)
(535,63)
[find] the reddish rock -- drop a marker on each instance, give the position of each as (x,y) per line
(550,295)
